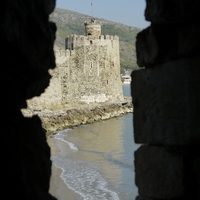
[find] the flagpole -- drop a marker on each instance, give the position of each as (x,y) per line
(91,9)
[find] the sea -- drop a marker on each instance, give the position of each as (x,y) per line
(97,160)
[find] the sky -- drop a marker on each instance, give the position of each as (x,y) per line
(128,12)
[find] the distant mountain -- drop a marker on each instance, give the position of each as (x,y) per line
(70,22)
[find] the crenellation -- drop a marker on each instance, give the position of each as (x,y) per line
(115,37)
(62,56)
(107,37)
(101,37)
(75,41)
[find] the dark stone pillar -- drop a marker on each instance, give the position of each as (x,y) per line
(166,99)
(27,39)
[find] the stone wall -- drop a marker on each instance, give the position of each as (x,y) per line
(26,164)
(87,73)
(166,99)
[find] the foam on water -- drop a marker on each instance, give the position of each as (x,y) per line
(84,178)
(97,159)
(61,136)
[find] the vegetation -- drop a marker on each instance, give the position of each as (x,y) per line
(70,22)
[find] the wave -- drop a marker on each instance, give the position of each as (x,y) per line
(84,179)
(61,136)
(92,167)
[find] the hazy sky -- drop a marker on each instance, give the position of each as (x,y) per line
(129,12)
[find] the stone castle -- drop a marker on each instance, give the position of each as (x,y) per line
(87,71)
(165,96)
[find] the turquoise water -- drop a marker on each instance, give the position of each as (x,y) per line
(97,159)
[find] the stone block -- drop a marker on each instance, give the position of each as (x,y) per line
(166,100)
(172,11)
(153,48)
(196,167)
(159,174)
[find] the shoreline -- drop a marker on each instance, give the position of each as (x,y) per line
(53,121)
(57,187)
(69,119)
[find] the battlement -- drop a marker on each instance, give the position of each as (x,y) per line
(62,55)
(83,38)
(61,52)
(73,41)
(109,37)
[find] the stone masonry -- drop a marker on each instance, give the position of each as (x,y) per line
(87,71)
(166,99)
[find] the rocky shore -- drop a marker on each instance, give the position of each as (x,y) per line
(53,121)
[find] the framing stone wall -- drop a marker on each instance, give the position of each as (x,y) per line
(165,94)
(166,100)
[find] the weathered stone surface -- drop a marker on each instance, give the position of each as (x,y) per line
(27,38)
(54,121)
(87,71)
(172,11)
(166,103)
(158,44)
(159,174)
(195,179)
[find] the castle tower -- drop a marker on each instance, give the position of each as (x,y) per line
(92,28)
(88,70)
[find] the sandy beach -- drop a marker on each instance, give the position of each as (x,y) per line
(57,186)
(94,168)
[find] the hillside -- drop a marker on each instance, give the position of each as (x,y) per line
(70,22)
